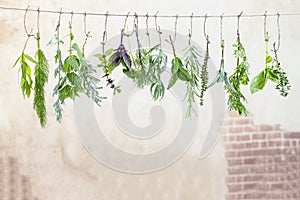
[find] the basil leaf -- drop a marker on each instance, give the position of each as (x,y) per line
(258,82)
(272,75)
(268,59)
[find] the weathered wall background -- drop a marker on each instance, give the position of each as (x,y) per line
(51,163)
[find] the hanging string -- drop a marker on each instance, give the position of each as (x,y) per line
(172,41)
(204,29)
(221,27)
(87,34)
(124,27)
(147,25)
(278,32)
(25,27)
(191,28)
(156,26)
(59,18)
(104,36)
(265,26)
(238,24)
(159,16)
(38,24)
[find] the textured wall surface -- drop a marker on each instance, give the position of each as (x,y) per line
(51,163)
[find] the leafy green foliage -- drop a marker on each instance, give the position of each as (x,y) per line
(25,69)
(41,78)
(269,72)
(222,74)
(238,78)
(178,72)
(284,85)
(204,75)
(87,77)
(192,64)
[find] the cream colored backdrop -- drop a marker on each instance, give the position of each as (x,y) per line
(53,158)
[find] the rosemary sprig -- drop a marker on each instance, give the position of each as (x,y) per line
(41,77)
(192,64)
(25,69)
(240,76)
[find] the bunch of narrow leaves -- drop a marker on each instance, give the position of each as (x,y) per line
(238,78)
(222,74)
(192,64)
(41,77)
(25,69)
(268,73)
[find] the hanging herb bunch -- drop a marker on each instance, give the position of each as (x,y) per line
(222,74)
(76,76)
(239,77)
(193,66)
(272,70)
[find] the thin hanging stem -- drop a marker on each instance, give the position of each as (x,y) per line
(38,26)
(221,27)
(204,30)
(191,28)
(158,29)
(265,27)
(104,37)
(147,29)
(278,32)
(24,22)
(171,41)
(238,24)
(124,27)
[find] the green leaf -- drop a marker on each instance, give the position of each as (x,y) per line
(258,82)
(268,59)
(273,76)
(16,62)
(173,80)
(183,74)
(109,52)
(176,64)
(29,58)
(76,48)
(71,63)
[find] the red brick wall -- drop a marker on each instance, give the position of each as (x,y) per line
(263,160)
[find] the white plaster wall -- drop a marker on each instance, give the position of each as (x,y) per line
(54,157)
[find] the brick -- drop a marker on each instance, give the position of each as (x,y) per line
(259,136)
(238,146)
(275,144)
(274,135)
(244,153)
(250,129)
(243,121)
(237,171)
(253,178)
(242,137)
(235,130)
(234,188)
(249,186)
(250,161)
(293,135)
(252,145)
(228,122)
(266,128)
(233,162)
